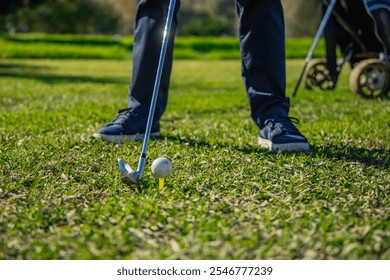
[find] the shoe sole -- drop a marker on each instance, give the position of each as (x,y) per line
(285,147)
(120,139)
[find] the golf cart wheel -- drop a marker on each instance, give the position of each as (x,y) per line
(317,75)
(370,78)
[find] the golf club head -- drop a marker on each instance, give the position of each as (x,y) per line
(128,175)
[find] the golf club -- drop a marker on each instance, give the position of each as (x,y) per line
(128,175)
(321,29)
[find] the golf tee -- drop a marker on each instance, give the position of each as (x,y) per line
(161,183)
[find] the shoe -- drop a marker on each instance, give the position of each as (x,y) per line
(282,135)
(129,124)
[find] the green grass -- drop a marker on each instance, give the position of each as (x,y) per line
(105,47)
(61,197)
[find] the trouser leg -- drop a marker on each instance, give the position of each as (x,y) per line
(148,35)
(262,43)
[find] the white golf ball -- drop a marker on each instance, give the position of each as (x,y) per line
(161,167)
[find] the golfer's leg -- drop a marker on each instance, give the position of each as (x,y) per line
(148,35)
(262,43)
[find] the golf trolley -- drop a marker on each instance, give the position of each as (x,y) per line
(360,31)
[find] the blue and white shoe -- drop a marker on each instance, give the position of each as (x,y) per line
(130,124)
(282,135)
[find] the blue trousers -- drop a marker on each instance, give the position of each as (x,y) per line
(262,46)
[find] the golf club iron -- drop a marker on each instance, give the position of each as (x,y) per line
(128,175)
(321,29)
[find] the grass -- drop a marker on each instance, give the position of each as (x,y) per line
(61,197)
(117,47)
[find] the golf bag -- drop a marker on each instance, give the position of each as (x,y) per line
(360,31)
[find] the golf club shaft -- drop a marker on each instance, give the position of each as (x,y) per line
(167,29)
(320,31)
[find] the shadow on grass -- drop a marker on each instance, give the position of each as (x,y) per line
(63,39)
(20,67)
(379,158)
(194,143)
(25,71)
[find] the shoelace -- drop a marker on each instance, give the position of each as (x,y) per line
(279,126)
(123,115)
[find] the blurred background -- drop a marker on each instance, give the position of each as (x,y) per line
(197,18)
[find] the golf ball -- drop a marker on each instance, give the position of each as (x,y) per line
(161,167)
